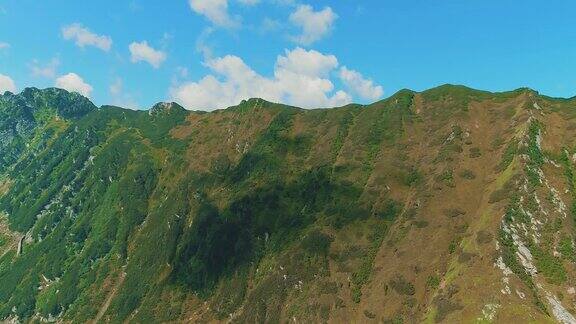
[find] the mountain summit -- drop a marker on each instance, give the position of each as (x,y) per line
(165,107)
(448,205)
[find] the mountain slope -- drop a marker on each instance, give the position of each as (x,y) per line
(447,205)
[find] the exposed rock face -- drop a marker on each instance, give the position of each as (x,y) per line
(20,246)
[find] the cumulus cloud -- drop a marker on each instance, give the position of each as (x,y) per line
(301,78)
(238,82)
(143,52)
(4,45)
(364,88)
(84,37)
(310,63)
(314,24)
(6,84)
(216,11)
(45,71)
(74,83)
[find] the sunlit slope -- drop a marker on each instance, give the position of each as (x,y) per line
(448,205)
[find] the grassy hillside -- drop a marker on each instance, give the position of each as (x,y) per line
(448,205)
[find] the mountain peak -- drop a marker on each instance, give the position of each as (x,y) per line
(68,104)
(257,103)
(165,107)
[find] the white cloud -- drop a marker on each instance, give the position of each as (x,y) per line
(84,37)
(143,52)
(74,83)
(310,63)
(239,82)
(119,97)
(301,78)
(216,11)
(314,24)
(364,88)
(4,45)
(6,84)
(45,71)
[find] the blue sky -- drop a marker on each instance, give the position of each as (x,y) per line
(209,54)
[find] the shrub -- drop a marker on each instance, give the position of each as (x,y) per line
(453,246)
(445,305)
(454,212)
(414,177)
(508,156)
(390,210)
(402,286)
(550,266)
(475,152)
(317,243)
(447,178)
(369,314)
(433,282)
(567,249)
(468,174)
(421,223)
(498,196)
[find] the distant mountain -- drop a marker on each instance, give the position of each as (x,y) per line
(448,205)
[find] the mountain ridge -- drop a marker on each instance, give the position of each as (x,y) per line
(444,87)
(389,212)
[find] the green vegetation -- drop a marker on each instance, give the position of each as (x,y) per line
(445,304)
(433,282)
(551,267)
(402,286)
(508,156)
(566,248)
(536,157)
(509,253)
(447,178)
(468,174)
(454,212)
(96,192)
(387,119)
(453,246)
(361,276)
(342,132)
(475,152)
(570,176)
(413,178)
